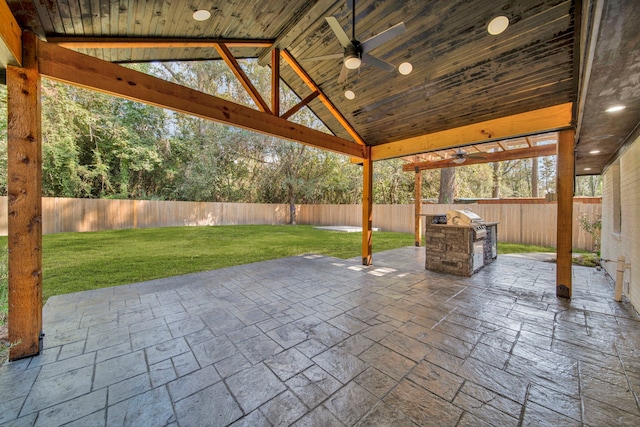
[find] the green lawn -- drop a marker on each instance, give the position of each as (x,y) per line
(81,261)
(75,262)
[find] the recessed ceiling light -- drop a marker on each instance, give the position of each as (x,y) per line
(615,108)
(201,15)
(594,152)
(349,94)
(498,25)
(405,68)
(587,169)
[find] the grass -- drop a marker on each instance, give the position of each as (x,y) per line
(75,262)
(580,257)
(517,248)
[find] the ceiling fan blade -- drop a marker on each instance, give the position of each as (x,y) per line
(323,57)
(343,38)
(376,62)
(383,37)
(343,74)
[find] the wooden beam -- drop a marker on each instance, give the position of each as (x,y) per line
(367,207)
(538,121)
(500,156)
(74,68)
(152,42)
(564,188)
(323,98)
(418,207)
(237,71)
(300,105)
(24,165)
(275,81)
(10,37)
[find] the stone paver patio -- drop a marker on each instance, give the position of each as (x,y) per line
(318,341)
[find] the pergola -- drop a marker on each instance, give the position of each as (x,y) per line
(556,68)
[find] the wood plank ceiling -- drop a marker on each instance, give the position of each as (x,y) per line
(461,74)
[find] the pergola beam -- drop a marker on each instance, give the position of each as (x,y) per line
(543,120)
(500,156)
(77,69)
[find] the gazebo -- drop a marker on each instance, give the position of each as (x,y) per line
(557,66)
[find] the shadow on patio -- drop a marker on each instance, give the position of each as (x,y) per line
(317,341)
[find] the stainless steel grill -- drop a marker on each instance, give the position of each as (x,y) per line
(467,218)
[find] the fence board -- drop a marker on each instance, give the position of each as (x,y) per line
(530,223)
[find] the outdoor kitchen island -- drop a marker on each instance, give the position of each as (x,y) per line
(459,242)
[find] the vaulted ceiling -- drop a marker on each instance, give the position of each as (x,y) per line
(553,53)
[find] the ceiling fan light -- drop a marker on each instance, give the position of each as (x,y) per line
(498,25)
(405,68)
(349,94)
(201,15)
(352,62)
(459,160)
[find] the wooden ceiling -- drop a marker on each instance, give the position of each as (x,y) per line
(461,75)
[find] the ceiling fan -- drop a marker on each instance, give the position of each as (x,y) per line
(461,156)
(356,52)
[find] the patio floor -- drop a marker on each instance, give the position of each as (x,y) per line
(318,341)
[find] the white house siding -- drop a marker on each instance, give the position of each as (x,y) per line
(627,241)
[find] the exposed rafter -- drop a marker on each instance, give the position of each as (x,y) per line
(519,153)
(82,70)
(327,103)
(300,105)
(237,71)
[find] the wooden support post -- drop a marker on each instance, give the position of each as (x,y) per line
(565,167)
(418,203)
(275,81)
(367,207)
(24,165)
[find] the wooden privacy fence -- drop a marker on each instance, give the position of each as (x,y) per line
(519,223)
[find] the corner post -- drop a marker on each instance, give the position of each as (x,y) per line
(565,184)
(418,207)
(24,166)
(367,206)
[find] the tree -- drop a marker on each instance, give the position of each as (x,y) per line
(495,191)
(534,177)
(447,185)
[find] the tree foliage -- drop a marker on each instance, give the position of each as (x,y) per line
(97,146)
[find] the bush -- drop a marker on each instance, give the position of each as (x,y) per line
(593,227)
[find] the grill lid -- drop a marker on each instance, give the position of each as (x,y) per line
(463,217)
